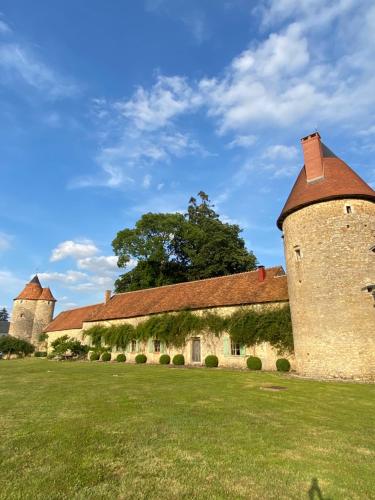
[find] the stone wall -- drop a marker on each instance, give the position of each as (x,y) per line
(329,263)
(30,317)
(23,319)
(43,317)
(210,344)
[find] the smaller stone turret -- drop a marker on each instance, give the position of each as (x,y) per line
(32,311)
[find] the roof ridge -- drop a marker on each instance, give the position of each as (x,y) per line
(196,281)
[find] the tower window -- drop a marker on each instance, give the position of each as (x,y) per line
(348,209)
(22,315)
(372,249)
(298,254)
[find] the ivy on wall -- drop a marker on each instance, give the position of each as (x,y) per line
(245,326)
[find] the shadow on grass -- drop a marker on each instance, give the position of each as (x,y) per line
(314,492)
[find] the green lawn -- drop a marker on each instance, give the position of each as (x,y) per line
(96,430)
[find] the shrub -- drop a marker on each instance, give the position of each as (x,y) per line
(40,354)
(94,356)
(178,360)
(282,365)
(211,361)
(64,344)
(11,345)
(106,356)
(165,359)
(140,359)
(254,363)
(121,358)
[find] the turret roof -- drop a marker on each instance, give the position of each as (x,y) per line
(338,181)
(34,291)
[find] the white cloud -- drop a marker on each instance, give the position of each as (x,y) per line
(5,241)
(75,249)
(19,63)
(279,151)
(68,278)
(152,109)
(243,141)
(4,27)
(99,264)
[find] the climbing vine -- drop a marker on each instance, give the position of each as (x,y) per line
(245,326)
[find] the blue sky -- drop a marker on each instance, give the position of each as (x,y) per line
(112,109)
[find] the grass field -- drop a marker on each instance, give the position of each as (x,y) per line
(95,430)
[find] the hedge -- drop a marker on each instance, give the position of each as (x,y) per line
(106,356)
(282,365)
(140,359)
(254,363)
(211,361)
(178,360)
(165,359)
(94,356)
(121,358)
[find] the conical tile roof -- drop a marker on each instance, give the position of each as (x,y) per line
(338,181)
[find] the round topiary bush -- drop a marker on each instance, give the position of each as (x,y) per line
(140,359)
(94,356)
(282,365)
(178,360)
(254,363)
(165,359)
(106,356)
(40,354)
(121,358)
(211,361)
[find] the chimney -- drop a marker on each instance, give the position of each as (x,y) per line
(313,157)
(261,273)
(107,296)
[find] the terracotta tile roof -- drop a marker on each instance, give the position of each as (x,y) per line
(47,295)
(72,319)
(339,181)
(32,291)
(236,289)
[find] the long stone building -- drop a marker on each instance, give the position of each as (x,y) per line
(328,225)
(260,289)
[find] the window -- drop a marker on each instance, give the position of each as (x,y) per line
(235,349)
(348,209)
(133,346)
(298,253)
(156,345)
(22,315)
(372,249)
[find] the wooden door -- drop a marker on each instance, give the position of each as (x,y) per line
(196,354)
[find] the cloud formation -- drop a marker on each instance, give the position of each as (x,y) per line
(75,249)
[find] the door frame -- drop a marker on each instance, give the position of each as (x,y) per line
(196,339)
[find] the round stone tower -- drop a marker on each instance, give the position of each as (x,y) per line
(32,311)
(328,223)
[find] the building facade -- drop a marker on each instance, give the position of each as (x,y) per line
(259,290)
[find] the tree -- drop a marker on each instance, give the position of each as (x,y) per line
(4,316)
(171,248)
(12,345)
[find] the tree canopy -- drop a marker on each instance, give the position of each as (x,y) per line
(173,247)
(4,316)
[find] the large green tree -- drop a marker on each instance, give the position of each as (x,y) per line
(171,248)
